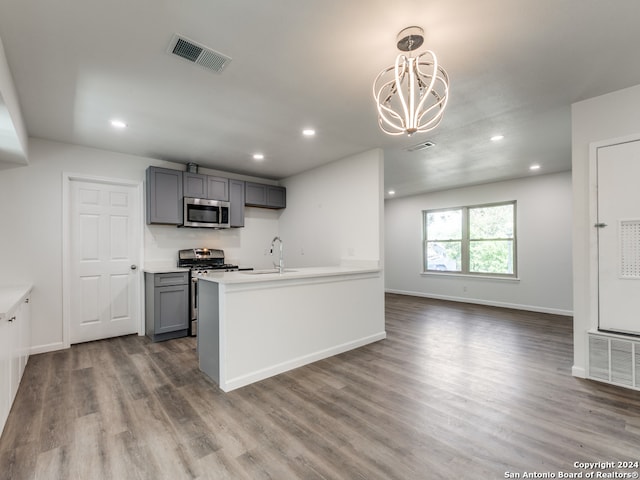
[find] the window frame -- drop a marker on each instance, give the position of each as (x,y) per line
(465,241)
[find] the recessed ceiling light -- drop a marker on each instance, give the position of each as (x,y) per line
(535,166)
(308,132)
(258,156)
(391,192)
(497,138)
(118,124)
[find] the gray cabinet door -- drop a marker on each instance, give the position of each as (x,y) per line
(206,186)
(195,185)
(255,194)
(164,196)
(217,188)
(171,308)
(166,305)
(276,197)
(166,279)
(236,198)
(268,196)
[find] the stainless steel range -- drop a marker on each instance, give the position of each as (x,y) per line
(200,260)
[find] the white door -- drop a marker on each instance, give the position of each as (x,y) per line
(104,235)
(619,237)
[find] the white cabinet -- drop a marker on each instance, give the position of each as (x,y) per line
(14,336)
(5,370)
(10,361)
(25,333)
(15,343)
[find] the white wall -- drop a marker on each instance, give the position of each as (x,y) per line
(245,246)
(598,119)
(31,220)
(334,213)
(543,246)
(13,134)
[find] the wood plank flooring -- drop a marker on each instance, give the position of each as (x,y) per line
(455,391)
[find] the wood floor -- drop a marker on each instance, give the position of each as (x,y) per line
(455,391)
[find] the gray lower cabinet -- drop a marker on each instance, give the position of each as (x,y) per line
(236,199)
(267,196)
(166,305)
(164,196)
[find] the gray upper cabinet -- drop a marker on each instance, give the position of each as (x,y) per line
(166,188)
(276,197)
(195,185)
(206,186)
(217,188)
(164,196)
(236,198)
(255,194)
(268,196)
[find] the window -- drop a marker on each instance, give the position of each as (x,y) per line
(471,240)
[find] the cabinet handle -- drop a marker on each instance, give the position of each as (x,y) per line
(26,300)
(12,319)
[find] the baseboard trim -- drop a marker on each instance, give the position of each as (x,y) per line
(515,306)
(579,372)
(50,347)
(264,373)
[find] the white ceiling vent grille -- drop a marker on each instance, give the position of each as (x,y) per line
(421,146)
(197,53)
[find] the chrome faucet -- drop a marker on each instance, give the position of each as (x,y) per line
(280,265)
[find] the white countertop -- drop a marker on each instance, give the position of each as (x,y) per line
(10,297)
(163,267)
(293,273)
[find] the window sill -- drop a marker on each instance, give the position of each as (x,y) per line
(469,275)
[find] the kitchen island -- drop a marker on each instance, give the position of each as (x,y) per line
(253,325)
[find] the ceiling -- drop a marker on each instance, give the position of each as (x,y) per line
(515,67)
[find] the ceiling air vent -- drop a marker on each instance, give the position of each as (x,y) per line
(197,53)
(421,146)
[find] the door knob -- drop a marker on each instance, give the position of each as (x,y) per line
(133,267)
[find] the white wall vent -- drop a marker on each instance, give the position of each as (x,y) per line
(197,53)
(421,146)
(614,360)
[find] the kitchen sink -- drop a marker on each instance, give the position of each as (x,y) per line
(267,270)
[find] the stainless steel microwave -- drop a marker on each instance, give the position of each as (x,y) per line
(204,213)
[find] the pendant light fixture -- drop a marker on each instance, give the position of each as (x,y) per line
(412,94)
